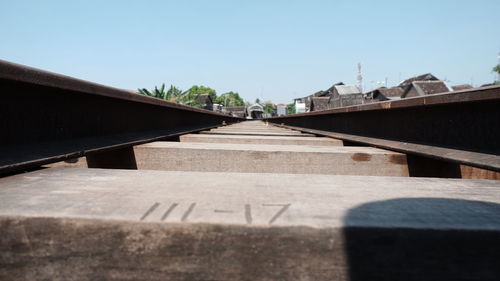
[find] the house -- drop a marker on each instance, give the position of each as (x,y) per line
(281,110)
(205,101)
(339,95)
(423,77)
(305,104)
(345,95)
(321,103)
(255,111)
(422,88)
(236,111)
(217,107)
(383,94)
(329,91)
(300,105)
(461,87)
(272,109)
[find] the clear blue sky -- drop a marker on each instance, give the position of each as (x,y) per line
(277,50)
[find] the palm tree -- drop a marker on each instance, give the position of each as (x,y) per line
(156,93)
(172,94)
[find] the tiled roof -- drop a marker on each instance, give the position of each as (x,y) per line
(432,87)
(330,90)
(423,77)
(325,93)
(204,99)
(427,88)
(347,90)
(391,92)
(461,87)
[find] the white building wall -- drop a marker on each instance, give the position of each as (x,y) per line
(280,110)
(300,107)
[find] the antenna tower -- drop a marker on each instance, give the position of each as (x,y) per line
(360,78)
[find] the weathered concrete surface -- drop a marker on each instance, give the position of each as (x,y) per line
(251,124)
(255,131)
(271,129)
(128,194)
(260,126)
(283,134)
(254,128)
(467,172)
(82,249)
(94,224)
(252,158)
(260,140)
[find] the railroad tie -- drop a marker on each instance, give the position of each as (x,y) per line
(88,224)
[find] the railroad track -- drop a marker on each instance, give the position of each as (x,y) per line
(187,194)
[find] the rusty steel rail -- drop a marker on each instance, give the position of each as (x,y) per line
(461,127)
(47,117)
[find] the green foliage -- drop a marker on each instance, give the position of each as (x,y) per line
(156,93)
(199,90)
(291,108)
(190,96)
(496,69)
(175,94)
(186,99)
(257,100)
(268,108)
(230,99)
(171,95)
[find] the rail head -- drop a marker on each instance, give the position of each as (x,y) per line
(10,71)
(48,117)
(489,93)
(460,127)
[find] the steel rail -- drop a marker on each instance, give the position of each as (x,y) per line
(460,127)
(47,117)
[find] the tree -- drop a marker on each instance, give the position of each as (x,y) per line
(268,108)
(497,69)
(199,90)
(187,99)
(156,93)
(190,96)
(171,95)
(291,108)
(257,100)
(230,99)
